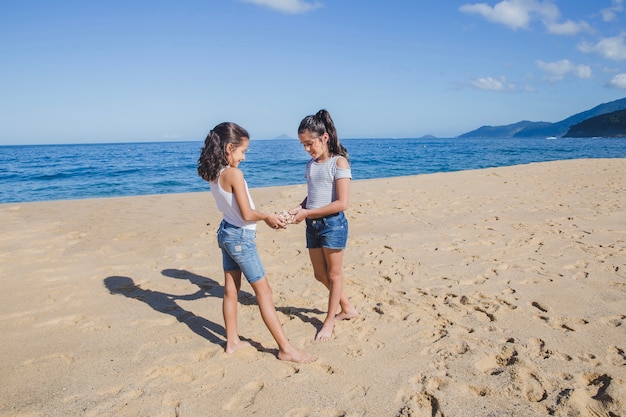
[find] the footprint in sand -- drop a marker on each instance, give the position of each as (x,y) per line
(418,400)
(537,348)
(421,404)
(245,397)
(568,324)
(495,364)
(532,388)
(614,321)
(480,307)
(594,396)
(615,356)
(355,394)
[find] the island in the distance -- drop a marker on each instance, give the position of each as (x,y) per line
(604,120)
(610,125)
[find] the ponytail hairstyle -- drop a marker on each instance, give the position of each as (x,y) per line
(322,123)
(213,155)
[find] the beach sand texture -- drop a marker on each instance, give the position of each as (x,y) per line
(494,292)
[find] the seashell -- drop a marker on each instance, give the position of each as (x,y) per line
(286,216)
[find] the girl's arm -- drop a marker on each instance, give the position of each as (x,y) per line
(233,181)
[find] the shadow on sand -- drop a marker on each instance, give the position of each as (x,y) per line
(168,303)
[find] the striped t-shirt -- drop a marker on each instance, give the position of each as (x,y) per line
(320,178)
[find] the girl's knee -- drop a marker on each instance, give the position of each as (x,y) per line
(261,287)
(335,277)
(231,292)
(264,292)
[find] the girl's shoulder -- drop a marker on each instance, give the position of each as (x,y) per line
(341,161)
(231,175)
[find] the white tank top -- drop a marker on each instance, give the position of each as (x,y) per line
(227,204)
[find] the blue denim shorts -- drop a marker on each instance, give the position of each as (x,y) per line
(239,251)
(327,232)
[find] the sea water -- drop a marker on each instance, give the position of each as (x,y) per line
(77,171)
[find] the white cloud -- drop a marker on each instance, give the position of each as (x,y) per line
(610,48)
(610,13)
(490,84)
(556,71)
(567,28)
(512,13)
(518,14)
(619,82)
(287,6)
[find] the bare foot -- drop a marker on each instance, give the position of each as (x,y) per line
(347,315)
(295,355)
(326,332)
(235,346)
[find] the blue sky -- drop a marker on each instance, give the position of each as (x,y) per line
(166,70)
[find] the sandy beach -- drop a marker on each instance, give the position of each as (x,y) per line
(493,292)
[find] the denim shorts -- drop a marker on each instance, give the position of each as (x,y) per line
(239,251)
(329,232)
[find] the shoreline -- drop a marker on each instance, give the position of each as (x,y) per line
(302,184)
(497,291)
(81,173)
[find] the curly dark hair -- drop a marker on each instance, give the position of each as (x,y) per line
(213,155)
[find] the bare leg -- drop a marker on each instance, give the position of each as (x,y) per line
(335,272)
(232,284)
(328,269)
(286,351)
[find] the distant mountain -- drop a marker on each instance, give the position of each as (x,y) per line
(283,136)
(507,131)
(611,125)
(526,129)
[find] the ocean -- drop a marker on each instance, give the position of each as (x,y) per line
(62,172)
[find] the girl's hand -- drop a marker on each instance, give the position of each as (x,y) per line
(298,214)
(275,221)
(286,216)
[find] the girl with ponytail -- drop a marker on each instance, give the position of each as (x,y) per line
(328,178)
